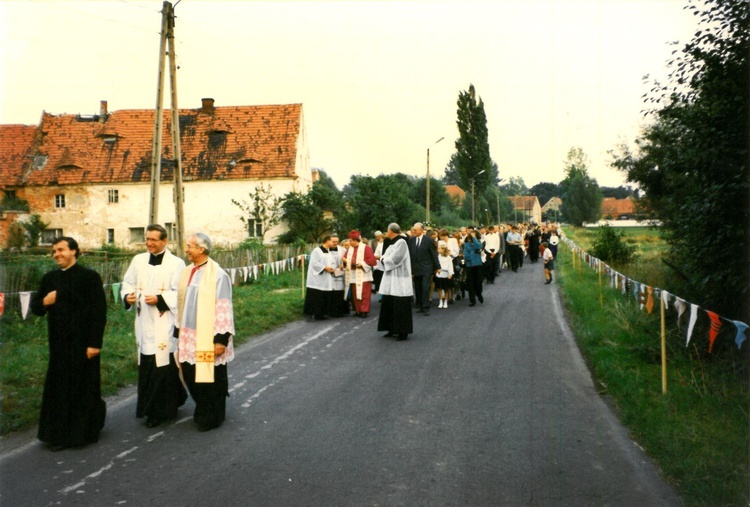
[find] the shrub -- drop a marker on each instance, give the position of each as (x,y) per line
(610,246)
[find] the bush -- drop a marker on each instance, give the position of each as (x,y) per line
(610,246)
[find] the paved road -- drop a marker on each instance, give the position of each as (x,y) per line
(483,406)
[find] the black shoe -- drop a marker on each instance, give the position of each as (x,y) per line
(58,447)
(401,338)
(320,317)
(480,298)
(208,427)
(389,335)
(362,315)
(472,304)
(450,302)
(548,282)
(152,422)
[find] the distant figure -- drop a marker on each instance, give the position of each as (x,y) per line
(424,262)
(320,282)
(72,297)
(358,263)
(150,285)
(206,327)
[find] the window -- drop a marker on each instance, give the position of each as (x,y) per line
(110,236)
(113,195)
(171,231)
(137,235)
(49,235)
(10,195)
(254,228)
(60,201)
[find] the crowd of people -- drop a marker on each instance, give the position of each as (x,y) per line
(407,268)
(184,329)
(184,322)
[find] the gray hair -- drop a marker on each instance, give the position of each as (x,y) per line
(204,242)
(419,225)
(394,227)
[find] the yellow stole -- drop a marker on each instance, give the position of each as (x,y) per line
(205,319)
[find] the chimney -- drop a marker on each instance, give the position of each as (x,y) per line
(103,111)
(207,106)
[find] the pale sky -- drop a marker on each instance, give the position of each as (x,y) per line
(378,80)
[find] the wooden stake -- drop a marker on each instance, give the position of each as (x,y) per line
(153,213)
(663,346)
(176,148)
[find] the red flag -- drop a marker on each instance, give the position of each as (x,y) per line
(715,328)
(2,303)
(650,300)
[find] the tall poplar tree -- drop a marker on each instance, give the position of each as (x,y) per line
(472,147)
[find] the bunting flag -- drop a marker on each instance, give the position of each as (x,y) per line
(636,290)
(741,329)
(624,287)
(643,296)
(116,291)
(25,298)
(650,300)
(255,272)
(715,328)
(244,274)
(2,303)
(665,298)
(680,305)
(693,318)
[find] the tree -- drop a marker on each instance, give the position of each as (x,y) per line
(515,186)
(305,214)
(472,147)
(262,214)
(373,203)
(692,159)
(545,191)
(582,199)
(34,229)
(439,198)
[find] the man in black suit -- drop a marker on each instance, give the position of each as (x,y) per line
(424,262)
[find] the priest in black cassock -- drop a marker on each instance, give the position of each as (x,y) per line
(72,297)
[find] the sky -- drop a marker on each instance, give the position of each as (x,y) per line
(378,81)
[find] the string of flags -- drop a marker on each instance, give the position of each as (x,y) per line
(236,275)
(646,295)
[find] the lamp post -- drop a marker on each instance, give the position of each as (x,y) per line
(428,178)
(473,199)
(497,195)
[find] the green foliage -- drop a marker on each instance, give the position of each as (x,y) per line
(582,199)
(263,209)
(692,160)
(16,236)
(515,186)
(305,213)
(610,246)
(375,202)
(472,147)
(34,228)
(545,191)
(13,203)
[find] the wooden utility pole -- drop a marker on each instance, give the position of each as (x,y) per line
(167,37)
(153,213)
(176,149)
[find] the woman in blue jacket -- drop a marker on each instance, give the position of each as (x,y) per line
(473,261)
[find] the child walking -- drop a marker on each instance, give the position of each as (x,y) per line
(444,274)
(549,262)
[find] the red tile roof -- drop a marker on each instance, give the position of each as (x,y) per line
(617,207)
(455,192)
(524,202)
(16,142)
(233,142)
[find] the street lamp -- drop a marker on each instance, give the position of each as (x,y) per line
(428,178)
(473,199)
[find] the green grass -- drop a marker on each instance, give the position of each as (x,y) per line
(698,431)
(259,306)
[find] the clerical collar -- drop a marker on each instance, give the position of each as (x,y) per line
(155,259)
(325,250)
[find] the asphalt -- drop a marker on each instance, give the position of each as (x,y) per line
(490,405)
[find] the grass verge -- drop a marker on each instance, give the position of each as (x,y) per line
(698,431)
(259,306)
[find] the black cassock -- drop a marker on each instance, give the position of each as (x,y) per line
(73,410)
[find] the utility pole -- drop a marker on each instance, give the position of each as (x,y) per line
(153,213)
(167,37)
(427,182)
(176,149)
